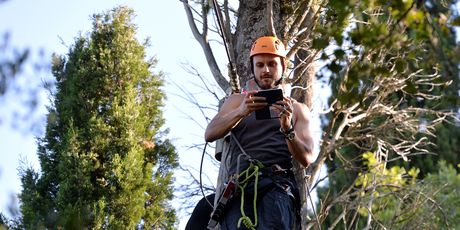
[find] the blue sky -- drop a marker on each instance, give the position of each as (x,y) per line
(52,25)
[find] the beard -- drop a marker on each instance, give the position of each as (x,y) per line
(267,82)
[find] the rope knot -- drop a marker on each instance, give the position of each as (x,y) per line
(247,222)
(251,172)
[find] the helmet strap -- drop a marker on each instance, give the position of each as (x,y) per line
(280,80)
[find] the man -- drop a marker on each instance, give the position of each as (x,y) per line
(200,215)
(271,142)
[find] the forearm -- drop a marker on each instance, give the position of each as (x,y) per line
(301,150)
(221,125)
(301,146)
(233,110)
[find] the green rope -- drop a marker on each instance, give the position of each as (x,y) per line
(251,171)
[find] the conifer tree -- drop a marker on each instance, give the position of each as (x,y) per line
(104,161)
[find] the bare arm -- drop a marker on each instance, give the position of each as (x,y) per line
(233,110)
(301,147)
(297,114)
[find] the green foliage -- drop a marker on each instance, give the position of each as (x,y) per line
(104,163)
(3,222)
(379,187)
(14,63)
(378,40)
(11,63)
(7,224)
(443,186)
(396,199)
(378,174)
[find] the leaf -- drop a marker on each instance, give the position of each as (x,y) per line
(400,65)
(349,97)
(382,70)
(339,53)
(320,43)
(415,17)
(334,67)
(456,21)
(410,88)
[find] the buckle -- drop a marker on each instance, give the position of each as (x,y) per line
(277,170)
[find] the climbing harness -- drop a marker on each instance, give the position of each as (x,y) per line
(255,179)
(241,181)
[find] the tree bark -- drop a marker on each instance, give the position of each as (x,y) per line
(292,22)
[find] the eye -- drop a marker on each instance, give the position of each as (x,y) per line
(272,64)
(259,65)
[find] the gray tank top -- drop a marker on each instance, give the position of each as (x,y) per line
(262,140)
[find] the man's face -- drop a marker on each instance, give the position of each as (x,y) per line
(267,70)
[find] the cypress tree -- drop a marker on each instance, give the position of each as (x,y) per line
(104,161)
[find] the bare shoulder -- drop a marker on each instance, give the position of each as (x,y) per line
(301,111)
(235,96)
(232,101)
(301,107)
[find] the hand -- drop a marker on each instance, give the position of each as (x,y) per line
(286,111)
(251,103)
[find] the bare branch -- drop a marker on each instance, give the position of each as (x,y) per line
(301,12)
(202,39)
(270,25)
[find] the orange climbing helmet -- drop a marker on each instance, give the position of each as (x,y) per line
(268,45)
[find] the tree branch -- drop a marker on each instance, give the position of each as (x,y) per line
(270,26)
(203,41)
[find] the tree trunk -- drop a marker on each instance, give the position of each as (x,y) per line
(293,22)
(251,24)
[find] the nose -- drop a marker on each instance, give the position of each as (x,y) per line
(265,69)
